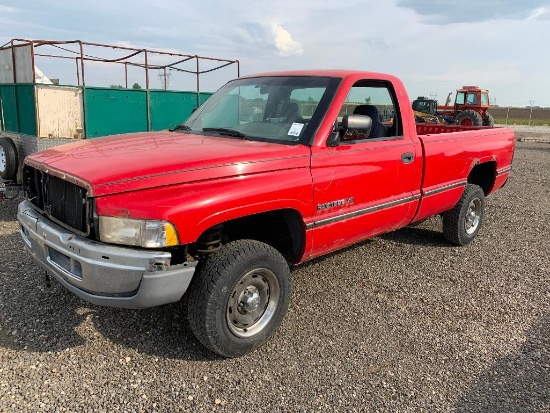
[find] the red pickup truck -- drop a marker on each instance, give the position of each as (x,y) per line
(273,170)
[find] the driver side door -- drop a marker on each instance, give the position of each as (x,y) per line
(366,186)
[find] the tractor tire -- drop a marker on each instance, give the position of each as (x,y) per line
(462,223)
(469,118)
(8,159)
(238,297)
(488,120)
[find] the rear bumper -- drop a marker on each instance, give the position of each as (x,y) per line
(99,273)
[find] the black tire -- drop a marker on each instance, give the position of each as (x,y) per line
(8,159)
(488,120)
(462,223)
(238,297)
(469,118)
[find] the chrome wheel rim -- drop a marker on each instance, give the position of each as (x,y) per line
(473,216)
(2,159)
(252,302)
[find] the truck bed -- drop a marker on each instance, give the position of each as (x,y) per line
(447,167)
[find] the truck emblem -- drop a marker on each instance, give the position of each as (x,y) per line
(332,204)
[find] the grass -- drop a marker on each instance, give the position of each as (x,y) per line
(538,122)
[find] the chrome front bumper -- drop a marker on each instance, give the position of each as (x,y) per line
(100,273)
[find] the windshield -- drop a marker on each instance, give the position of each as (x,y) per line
(285,109)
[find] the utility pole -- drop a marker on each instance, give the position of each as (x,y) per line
(531,103)
(164,78)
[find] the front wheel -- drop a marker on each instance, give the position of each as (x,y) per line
(239,297)
(462,223)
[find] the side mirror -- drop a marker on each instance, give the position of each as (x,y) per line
(360,124)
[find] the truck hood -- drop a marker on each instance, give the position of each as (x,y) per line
(138,161)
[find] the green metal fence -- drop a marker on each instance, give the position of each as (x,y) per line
(107,111)
(18,107)
(112,111)
(170,108)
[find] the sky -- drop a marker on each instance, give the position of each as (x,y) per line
(434,47)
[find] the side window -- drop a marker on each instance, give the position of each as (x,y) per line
(485,99)
(460,98)
(376,100)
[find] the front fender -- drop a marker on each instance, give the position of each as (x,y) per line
(195,207)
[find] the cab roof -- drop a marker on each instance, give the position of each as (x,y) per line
(340,73)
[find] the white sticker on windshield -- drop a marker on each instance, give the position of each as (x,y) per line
(295,129)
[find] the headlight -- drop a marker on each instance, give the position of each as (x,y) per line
(139,232)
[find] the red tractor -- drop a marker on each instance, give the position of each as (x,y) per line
(470,107)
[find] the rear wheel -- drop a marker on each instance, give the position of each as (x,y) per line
(8,159)
(488,120)
(469,118)
(462,223)
(239,297)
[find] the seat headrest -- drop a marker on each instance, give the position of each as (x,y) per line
(368,110)
(291,111)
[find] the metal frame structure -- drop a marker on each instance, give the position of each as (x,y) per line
(82,57)
(86,52)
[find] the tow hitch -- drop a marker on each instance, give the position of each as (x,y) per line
(9,190)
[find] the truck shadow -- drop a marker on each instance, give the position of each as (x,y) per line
(417,236)
(518,382)
(408,235)
(161,331)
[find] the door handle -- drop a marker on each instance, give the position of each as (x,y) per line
(407,157)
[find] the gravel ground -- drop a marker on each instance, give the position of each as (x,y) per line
(400,323)
(529,128)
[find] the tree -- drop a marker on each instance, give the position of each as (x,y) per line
(368,100)
(117,87)
(136,86)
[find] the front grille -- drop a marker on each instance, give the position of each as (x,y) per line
(62,201)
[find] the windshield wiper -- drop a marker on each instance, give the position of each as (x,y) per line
(226,131)
(181,127)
